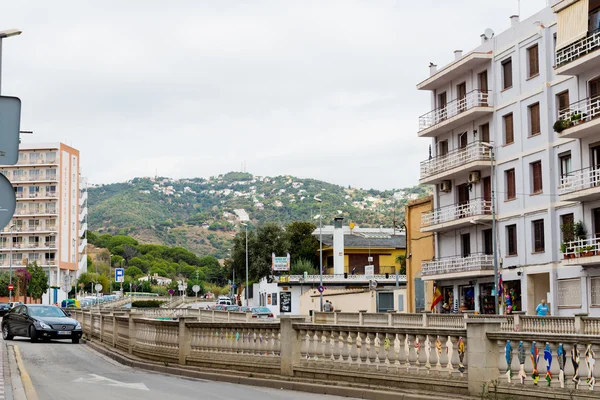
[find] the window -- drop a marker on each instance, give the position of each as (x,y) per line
(485,132)
(511,240)
(507,74)
(511,192)
(538,236)
(442,148)
(461,91)
(569,292)
(562,101)
(565,165)
(466,244)
(534,119)
(595,291)
(536,177)
(509,136)
(463,140)
(534,65)
(566,227)
(487,242)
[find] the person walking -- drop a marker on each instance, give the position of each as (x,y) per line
(327,307)
(542,309)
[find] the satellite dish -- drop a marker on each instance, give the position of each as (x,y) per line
(488,33)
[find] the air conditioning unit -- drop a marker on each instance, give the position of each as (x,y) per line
(446,186)
(474,177)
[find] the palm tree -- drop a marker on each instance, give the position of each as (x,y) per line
(402,260)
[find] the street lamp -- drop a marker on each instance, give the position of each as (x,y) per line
(10,257)
(246,225)
(494,235)
(318,200)
(6,34)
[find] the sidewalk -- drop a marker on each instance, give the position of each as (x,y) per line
(5,387)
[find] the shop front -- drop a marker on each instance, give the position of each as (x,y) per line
(471,296)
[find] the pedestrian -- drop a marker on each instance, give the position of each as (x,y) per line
(542,309)
(327,307)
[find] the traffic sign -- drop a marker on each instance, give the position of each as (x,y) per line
(98,287)
(171,291)
(196,288)
(11,287)
(321,289)
(8,201)
(119,275)
(10,126)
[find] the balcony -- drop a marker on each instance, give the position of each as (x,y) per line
(36,213)
(458,267)
(37,163)
(83,199)
(458,112)
(581,185)
(456,70)
(584,252)
(38,178)
(37,196)
(473,156)
(28,229)
(456,215)
(21,246)
(580,120)
(581,56)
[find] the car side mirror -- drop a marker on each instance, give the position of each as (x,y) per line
(69,314)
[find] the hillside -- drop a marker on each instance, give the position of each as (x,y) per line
(203,214)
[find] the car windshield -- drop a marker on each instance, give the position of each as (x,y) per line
(46,311)
(261,310)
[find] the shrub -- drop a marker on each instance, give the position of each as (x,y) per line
(146,304)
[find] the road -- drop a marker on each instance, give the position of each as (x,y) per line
(64,371)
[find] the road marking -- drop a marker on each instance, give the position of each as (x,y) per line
(27,384)
(111,382)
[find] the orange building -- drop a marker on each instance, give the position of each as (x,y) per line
(419,247)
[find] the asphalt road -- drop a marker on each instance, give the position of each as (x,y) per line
(64,371)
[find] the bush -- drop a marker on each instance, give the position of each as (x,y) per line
(146,304)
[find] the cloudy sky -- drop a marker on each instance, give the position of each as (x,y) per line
(189,88)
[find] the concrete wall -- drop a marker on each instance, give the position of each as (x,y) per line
(348,300)
(419,247)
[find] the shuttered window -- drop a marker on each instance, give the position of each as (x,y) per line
(511,240)
(510,184)
(509,135)
(485,132)
(536,177)
(538,236)
(562,99)
(572,23)
(534,119)
(507,81)
(534,63)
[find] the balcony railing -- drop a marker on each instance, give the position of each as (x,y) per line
(38,178)
(584,247)
(473,152)
(475,98)
(578,49)
(474,262)
(454,212)
(581,179)
(580,112)
(37,162)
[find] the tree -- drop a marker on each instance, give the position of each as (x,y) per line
(303,244)
(402,260)
(23,277)
(38,284)
(301,266)
(133,272)
(119,240)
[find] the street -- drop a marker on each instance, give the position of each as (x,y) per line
(63,371)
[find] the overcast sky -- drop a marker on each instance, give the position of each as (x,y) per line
(188,88)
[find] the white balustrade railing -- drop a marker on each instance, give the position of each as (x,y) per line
(474,262)
(456,158)
(157,339)
(342,278)
(457,211)
(475,98)
(585,247)
(581,179)
(578,49)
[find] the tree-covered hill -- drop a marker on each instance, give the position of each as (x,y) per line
(203,214)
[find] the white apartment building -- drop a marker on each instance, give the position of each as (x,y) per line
(48,222)
(509,92)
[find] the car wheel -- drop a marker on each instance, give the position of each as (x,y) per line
(75,340)
(33,334)
(6,333)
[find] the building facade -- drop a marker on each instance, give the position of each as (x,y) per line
(47,225)
(419,247)
(498,105)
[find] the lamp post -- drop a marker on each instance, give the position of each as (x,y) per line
(320,250)
(6,34)
(494,234)
(246,290)
(10,256)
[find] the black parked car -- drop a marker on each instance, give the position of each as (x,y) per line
(4,308)
(38,321)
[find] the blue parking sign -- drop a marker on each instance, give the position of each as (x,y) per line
(119,275)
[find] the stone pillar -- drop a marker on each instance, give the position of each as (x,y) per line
(185,338)
(132,331)
(482,354)
(579,327)
(249,316)
(290,345)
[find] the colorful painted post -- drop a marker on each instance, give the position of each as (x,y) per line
(508,356)
(461,354)
(438,349)
(562,359)
(575,360)
(548,358)
(535,358)
(522,362)
(591,362)
(427,352)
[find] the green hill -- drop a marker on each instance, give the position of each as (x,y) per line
(203,214)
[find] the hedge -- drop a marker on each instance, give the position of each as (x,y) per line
(146,303)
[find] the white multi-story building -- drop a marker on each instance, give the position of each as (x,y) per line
(509,92)
(47,226)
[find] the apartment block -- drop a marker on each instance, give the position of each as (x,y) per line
(502,100)
(48,222)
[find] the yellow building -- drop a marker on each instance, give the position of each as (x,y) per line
(420,248)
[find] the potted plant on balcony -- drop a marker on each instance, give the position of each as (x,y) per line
(563,249)
(576,118)
(561,125)
(579,230)
(589,251)
(568,234)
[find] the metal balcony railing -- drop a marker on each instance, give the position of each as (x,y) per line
(581,112)
(473,152)
(581,179)
(474,262)
(578,49)
(475,98)
(584,247)
(455,212)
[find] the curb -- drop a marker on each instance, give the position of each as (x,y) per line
(30,392)
(273,383)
